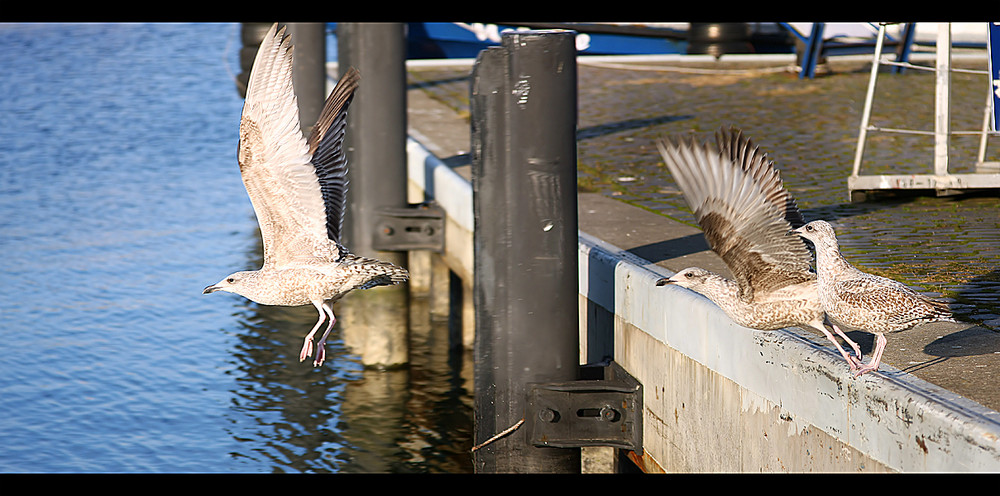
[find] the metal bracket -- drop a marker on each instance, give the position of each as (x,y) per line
(602,411)
(419,226)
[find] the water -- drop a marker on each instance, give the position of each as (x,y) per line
(120,199)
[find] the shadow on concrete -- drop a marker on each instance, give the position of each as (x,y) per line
(438,82)
(982,294)
(971,341)
(626,125)
(671,248)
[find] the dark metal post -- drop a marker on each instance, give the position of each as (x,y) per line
(309,69)
(524,115)
(251,34)
(376,153)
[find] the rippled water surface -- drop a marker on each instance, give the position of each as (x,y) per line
(120,199)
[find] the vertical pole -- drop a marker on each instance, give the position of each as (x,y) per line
(810,56)
(251,34)
(942,100)
(987,112)
(524,110)
(866,113)
(905,46)
(309,70)
(377,318)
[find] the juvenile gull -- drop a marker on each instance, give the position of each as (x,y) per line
(297,187)
(747,217)
(865,301)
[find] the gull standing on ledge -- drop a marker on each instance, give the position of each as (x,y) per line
(747,217)
(297,187)
(865,301)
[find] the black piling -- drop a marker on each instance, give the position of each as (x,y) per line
(309,70)
(524,115)
(375,320)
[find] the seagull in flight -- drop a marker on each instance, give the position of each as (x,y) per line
(298,187)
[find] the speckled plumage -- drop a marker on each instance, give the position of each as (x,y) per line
(747,216)
(297,187)
(866,301)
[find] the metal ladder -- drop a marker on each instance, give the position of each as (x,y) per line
(942,182)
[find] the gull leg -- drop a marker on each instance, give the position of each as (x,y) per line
(321,345)
(851,361)
(307,344)
(857,349)
(880,342)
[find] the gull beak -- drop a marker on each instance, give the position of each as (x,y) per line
(211,289)
(663,282)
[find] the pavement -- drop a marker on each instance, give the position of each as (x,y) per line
(946,247)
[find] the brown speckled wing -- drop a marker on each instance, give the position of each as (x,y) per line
(741,150)
(884,305)
(739,217)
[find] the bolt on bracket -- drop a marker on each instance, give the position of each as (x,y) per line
(418,226)
(602,411)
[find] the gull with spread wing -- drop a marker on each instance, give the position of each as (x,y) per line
(747,217)
(297,187)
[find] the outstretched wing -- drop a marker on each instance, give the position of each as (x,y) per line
(326,143)
(739,216)
(279,166)
(741,150)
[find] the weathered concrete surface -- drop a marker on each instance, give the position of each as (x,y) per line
(720,397)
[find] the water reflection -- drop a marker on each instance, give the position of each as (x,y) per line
(344,417)
(120,199)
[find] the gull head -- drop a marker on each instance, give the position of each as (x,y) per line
(691,278)
(819,232)
(237,282)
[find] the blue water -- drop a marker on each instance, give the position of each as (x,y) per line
(120,199)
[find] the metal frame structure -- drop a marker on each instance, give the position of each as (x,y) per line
(942,182)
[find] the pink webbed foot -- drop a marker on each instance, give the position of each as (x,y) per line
(866,369)
(880,343)
(320,354)
(321,345)
(307,347)
(850,342)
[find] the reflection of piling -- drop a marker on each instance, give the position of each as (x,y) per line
(375,320)
(523,103)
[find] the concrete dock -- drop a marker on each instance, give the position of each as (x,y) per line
(720,397)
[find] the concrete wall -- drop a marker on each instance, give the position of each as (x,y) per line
(723,398)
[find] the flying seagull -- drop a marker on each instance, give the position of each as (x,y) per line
(865,301)
(297,187)
(747,217)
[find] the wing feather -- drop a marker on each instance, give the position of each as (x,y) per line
(740,217)
(288,177)
(326,143)
(741,150)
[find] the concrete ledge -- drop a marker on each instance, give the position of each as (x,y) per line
(721,397)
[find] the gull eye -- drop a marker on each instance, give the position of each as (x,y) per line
(689,274)
(809,228)
(231,280)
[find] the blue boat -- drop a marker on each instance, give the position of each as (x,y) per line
(439,40)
